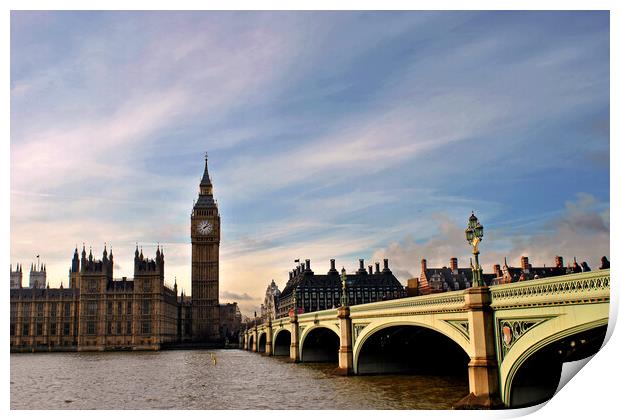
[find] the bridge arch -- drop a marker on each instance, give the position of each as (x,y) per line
(319,343)
(251,341)
(262,342)
(536,347)
(446,335)
(281,342)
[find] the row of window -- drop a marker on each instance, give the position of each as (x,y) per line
(93,285)
(91,328)
(115,328)
(40,309)
(437,284)
(38,329)
(92,305)
(366,294)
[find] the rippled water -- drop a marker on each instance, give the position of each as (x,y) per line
(187,379)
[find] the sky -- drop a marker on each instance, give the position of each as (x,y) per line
(339,135)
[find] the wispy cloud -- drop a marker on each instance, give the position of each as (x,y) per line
(581,230)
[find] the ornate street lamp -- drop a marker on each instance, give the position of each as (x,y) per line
(344,296)
(474,233)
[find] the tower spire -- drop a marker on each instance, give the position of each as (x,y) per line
(206,187)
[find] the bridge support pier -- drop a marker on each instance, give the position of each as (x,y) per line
(255,341)
(268,342)
(345,352)
(294,353)
(483,371)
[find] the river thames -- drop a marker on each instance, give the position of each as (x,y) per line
(188,379)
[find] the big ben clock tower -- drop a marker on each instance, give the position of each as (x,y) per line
(205,230)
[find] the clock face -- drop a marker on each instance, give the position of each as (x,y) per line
(204,227)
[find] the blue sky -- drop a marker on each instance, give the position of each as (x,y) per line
(331,135)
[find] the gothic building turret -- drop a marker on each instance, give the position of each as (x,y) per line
(16,277)
(75,270)
(38,276)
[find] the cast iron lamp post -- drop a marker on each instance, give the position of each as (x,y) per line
(474,233)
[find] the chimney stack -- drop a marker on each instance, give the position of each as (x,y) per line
(370,269)
(385,265)
(332,263)
(362,269)
(303,267)
(497,270)
(423,264)
(524,263)
(559,261)
(454,264)
(307,265)
(377,269)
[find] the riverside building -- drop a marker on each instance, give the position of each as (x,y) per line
(99,312)
(306,291)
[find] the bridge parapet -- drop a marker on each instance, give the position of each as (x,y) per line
(435,303)
(589,287)
(325,315)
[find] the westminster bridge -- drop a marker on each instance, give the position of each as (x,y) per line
(509,340)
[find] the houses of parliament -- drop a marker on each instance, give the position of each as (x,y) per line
(98,312)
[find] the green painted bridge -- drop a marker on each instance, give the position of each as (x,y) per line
(510,341)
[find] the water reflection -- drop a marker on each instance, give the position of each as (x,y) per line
(189,380)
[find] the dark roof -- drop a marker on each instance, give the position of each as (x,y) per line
(204,201)
(206,180)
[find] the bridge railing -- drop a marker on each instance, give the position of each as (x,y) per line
(591,286)
(324,315)
(435,303)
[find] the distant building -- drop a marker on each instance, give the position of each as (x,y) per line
(309,292)
(509,274)
(413,287)
(16,277)
(38,276)
(268,309)
(230,321)
(444,279)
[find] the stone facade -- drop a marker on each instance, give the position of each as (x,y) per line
(16,277)
(38,276)
(98,312)
(230,321)
(268,309)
